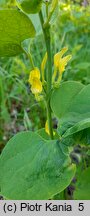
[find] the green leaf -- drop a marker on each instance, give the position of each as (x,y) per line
(81,125)
(30,6)
(82,186)
(71,104)
(81,137)
(33,168)
(63,96)
(15,27)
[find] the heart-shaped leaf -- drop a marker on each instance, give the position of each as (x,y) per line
(15,27)
(33,168)
(71,104)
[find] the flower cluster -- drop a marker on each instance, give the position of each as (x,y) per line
(60,63)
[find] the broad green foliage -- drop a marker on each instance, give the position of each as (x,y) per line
(81,125)
(81,137)
(32,168)
(14,28)
(71,104)
(62,97)
(30,6)
(82,187)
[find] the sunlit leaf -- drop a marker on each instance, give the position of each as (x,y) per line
(15,27)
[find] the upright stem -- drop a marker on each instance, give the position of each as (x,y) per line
(46,32)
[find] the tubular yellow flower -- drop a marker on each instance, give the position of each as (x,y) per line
(58,56)
(34,74)
(47,128)
(43,64)
(34,80)
(59,64)
(56,60)
(36,86)
(63,62)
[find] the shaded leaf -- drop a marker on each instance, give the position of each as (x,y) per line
(32,168)
(78,127)
(71,104)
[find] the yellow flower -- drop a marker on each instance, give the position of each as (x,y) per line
(34,74)
(63,62)
(34,80)
(43,64)
(60,62)
(36,86)
(56,60)
(58,56)
(47,128)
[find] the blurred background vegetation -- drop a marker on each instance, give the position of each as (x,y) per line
(18,108)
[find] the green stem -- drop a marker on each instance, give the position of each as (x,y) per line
(46,32)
